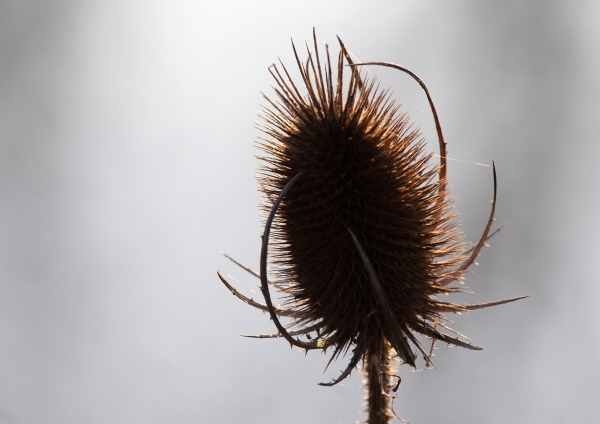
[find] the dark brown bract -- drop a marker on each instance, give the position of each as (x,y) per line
(363,234)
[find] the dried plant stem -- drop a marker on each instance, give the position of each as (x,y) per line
(378,371)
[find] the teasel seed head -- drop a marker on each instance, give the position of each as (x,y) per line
(361,226)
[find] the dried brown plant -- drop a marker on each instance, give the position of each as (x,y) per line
(365,237)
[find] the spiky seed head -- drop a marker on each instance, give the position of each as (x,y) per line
(366,238)
(364,168)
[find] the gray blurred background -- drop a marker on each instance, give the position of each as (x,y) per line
(127,164)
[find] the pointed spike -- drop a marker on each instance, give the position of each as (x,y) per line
(484,236)
(397,335)
(455,341)
(358,353)
(278,335)
(263,274)
(241,265)
(252,302)
(475,306)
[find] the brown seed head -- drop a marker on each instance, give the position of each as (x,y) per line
(363,234)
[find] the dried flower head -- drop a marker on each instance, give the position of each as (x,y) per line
(363,234)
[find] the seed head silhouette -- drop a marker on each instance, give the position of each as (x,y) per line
(361,226)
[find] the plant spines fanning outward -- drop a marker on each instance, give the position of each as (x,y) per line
(363,234)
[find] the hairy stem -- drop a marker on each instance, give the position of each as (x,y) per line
(378,370)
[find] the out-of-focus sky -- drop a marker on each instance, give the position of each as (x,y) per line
(127,164)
